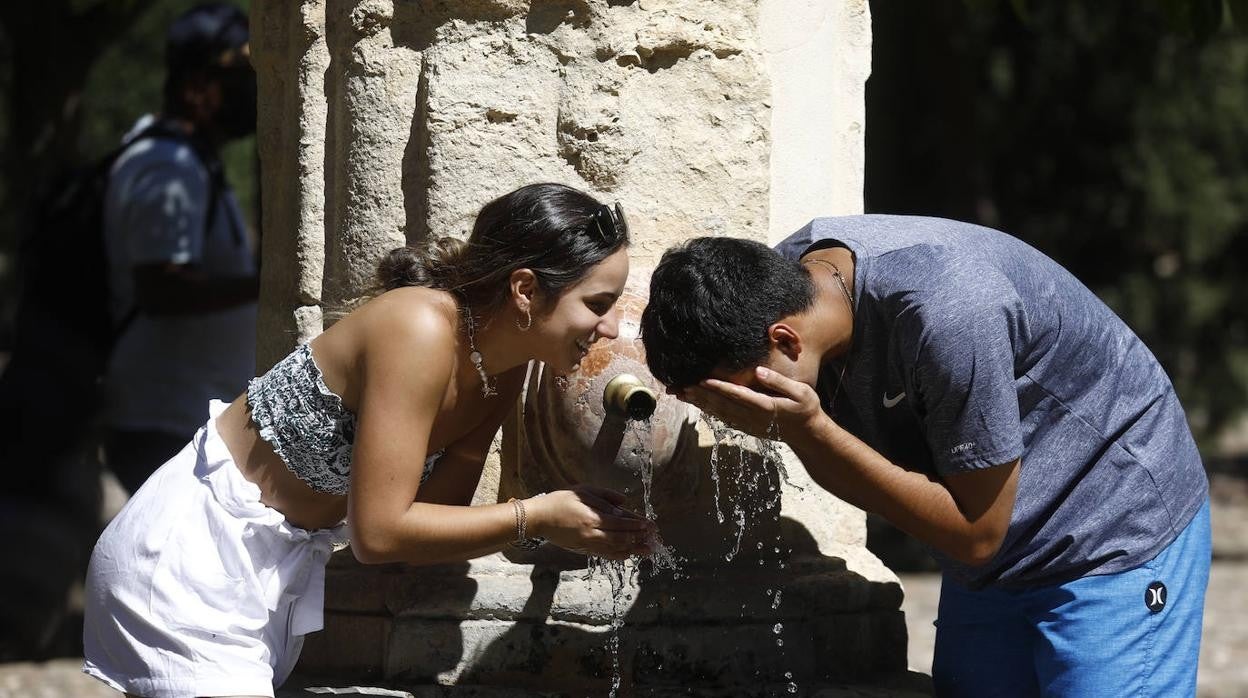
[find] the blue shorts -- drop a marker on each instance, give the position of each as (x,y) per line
(1134,633)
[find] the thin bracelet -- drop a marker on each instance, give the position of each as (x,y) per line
(523,542)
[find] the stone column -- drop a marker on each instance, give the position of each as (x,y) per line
(391,120)
(290,56)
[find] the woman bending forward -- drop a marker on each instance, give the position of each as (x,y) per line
(376,432)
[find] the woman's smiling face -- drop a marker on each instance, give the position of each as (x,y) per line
(584,312)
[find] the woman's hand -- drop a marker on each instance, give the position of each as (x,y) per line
(588,519)
(776,407)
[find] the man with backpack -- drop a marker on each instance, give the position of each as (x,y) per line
(182,271)
(137,306)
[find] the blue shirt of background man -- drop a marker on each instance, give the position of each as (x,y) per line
(971,349)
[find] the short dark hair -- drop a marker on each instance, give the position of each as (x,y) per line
(557,231)
(711,302)
(194,44)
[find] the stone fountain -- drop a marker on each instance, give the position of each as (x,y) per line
(384,121)
(752,601)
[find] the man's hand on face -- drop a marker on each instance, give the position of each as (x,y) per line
(775,407)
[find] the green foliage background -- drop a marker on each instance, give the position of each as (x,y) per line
(126,82)
(74,76)
(1111,135)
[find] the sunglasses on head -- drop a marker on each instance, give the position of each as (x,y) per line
(608,222)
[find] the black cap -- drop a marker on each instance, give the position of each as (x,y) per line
(199,37)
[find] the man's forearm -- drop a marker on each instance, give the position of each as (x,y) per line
(919,504)
(190,291)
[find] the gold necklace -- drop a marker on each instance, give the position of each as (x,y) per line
(840,281)
(849,300)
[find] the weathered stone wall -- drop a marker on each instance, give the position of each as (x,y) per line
(391,120)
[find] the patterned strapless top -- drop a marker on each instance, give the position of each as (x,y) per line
(306,423)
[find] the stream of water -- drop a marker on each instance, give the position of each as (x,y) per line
(758,473)
(755,475)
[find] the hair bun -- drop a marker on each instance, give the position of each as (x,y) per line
(433,265)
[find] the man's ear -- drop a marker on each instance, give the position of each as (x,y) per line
(785,339)
(523,287)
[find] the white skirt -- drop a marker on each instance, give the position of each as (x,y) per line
(196,588)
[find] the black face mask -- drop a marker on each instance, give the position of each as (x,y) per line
(237,117)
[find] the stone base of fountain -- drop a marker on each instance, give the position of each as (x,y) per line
(743,628)
(910,685)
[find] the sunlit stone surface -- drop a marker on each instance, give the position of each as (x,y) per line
(390,120)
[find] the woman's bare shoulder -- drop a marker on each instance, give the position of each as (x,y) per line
(410,313)
(385,334)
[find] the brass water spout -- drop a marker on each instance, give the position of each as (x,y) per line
(627,396)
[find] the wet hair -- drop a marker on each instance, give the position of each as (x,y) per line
(711,302)
(558,232)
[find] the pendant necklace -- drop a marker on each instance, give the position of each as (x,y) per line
(474,355)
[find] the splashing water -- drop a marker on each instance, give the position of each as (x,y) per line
(758,491)
(614,571)
(620,573)
(720,433)
(769,449)
(740,521)
(758,482)
(660,556)
(641,432)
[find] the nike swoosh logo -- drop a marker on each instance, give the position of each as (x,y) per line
(892,401)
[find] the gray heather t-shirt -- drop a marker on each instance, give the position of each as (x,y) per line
(971,349)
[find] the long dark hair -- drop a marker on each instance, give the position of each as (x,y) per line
(552,229)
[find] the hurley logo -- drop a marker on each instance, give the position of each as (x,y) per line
(1155,597)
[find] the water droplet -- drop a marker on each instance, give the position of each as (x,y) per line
(718,433)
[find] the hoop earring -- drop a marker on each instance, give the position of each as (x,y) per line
(528,321)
